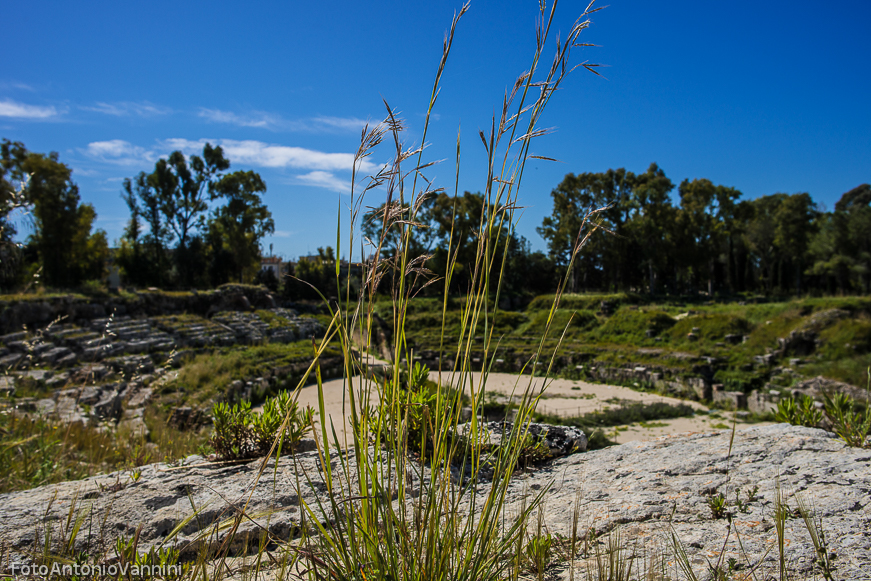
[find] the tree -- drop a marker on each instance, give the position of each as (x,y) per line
(186,201)
(143,257)
(795,219)
(174,200)
(603,261)
(66,250)
(706,212)
(842,247)
(313,271)
(242,221)
(12,197)
(652,226)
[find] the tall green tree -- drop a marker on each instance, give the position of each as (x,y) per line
(706,213)
(174,202)
(841,250)
(12,197)
(652,226)
(67,251)
(143,255)
(795,221)
(242,221)
(604,261)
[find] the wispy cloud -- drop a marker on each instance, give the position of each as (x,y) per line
(344,123)
(118,152)
(253,119)
(274,122)
(9,108)
(17,85)
(128,108)
(259,153)
(325,179)
(321,166)
(281,234)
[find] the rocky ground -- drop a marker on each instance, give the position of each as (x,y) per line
(644,489)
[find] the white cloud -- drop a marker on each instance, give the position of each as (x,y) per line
(253,119)
(119,152)
(9,108)
(347,123)
(325,179)
(127,108)
(259,153)
(321,166)
(272,122)
(281,234)
(17,85)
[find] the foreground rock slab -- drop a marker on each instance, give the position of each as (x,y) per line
(644,490)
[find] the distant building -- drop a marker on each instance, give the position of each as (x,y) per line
(272,263)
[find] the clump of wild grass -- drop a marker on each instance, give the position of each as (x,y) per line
(408,518)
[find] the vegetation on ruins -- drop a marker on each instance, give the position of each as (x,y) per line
(403,498)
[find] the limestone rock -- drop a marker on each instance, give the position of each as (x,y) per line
(646,489)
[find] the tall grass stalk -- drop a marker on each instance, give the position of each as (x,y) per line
(387,514)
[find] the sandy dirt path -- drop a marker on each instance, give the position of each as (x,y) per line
(565,397)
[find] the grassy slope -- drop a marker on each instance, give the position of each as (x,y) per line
(842,325)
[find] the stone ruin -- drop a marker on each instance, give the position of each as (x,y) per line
(104,370)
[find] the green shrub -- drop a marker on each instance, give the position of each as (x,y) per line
(240,433)
(802,413)
(850,424)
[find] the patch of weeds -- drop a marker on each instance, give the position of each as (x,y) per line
(538,552)
(824,559)
(649,425)
(631,326)
(851,425)
(710,327)
(721,426)
(750,496)
(801,413)
(272,319)
(206,376)
(575,321)
(579,301)
(598,440)
(240,433)
(718,505)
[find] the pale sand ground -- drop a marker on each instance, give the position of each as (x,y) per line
(562,396)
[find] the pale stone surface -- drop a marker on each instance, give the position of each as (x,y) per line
(646,489)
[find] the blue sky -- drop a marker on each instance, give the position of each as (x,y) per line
(762,96)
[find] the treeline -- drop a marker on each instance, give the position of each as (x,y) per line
(191,240)
(710,240)
(707,239)
(193,224)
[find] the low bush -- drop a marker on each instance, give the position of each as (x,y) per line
(799,413)
(240,433)
(850,420)
(852,425)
